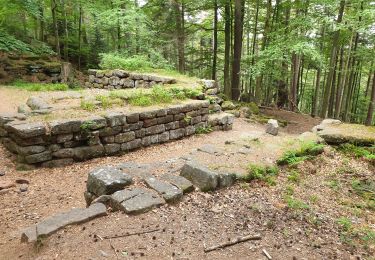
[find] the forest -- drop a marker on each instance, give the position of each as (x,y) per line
(310,56)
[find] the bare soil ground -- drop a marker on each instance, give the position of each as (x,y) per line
(298,218)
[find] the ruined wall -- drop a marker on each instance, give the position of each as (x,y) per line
(62,142)
(118,79)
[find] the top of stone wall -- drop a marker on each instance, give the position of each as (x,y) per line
(132,75)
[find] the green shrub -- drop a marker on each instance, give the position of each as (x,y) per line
(306,152)
(88,105)
(357,151)
(108,102)
(203,130)
(295,203)
(263,173)
(141,100)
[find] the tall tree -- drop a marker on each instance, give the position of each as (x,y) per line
(371,106)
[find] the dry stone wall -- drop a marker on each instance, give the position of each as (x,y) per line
(119,79)
(62,142)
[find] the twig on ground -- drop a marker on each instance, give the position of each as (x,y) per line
(267,254)
(132,234)
(114,249)
(233,242)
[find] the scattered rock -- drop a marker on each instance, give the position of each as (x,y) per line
(36,103)
(244,150)
(22,181)
(200,176)
(310,137)
(272,127)
(165,189)
(210,149)
(2,173)
(24,187)
(226,179)
(56,222)
(107,180)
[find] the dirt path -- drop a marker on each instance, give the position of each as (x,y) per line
(11,98)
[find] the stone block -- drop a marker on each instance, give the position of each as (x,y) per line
(135,144)
(115,119)
(182,183)
(132,118)
(124,137)
(168,191)
(88,152)
(58,163)
(176,134)
(163,137)
(150,122)
(39,157)
(111,149)
(152,130)
(200,176)
(27,130)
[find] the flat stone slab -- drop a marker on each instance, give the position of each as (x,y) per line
(54,223)
(182,183)
(107,180)
(136,170)
(165,189)
(200,176)
(210,149)
(137,200)
(336,133)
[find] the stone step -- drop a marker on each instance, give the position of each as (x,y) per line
(54,223)
(168,191)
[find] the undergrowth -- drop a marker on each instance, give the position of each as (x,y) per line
(40,86)
(307,151)
(358,151)
(266,174)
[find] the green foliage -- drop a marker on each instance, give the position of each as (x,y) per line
(133,63)
(357,151)
(108,102)
(88,105)
(295,204)
(203,130)
(344,223)
(87,126)
(40,86)
(307,151)
(263,173)
(294,176)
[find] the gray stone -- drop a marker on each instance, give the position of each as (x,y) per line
(88,152)
(200,176)
(114,81)
(24,187)
(120,73)
(228,105)
(65,126)
(176,134)
(58,163)
(115,119)
(132,127)
(93,123)
(132,118)
(165,189)
(124,137)
(172,126)
(244,150)
(39,157)
(220,119)
(27,130)
(127,83)
(109,131)
(111,149)
(64,138)
(36,103)
(9,117)
(163,137)
(150,122)
(24,109)
(142,203)
(208,84)
(28,150)
(157,129)
(226,179)
(122,195)
(54,223)
(165,119)
(272,127)
(107,180)
(190,130)
(131,145)
(182,183)
(64,153)
(210,149)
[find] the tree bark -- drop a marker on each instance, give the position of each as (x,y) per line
(214,53)
(66,47)
(237,48)
(227,50)
(335,43)
(79,36)
(257,91)
(180,34)
(371,106)
(55,27)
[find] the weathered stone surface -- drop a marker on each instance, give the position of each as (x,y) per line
(122,195)
(310,137)
(182,183)
(108,131)
(88,152)
(58,163)
(150,122)
(176,134)
(65,126)
(210,149)
(220,119)
(54,223)
(64,138)
(28,150)
(39,157)
(134,144)
(27,130)
(111,149)
(208,84)
(272,127)
(228,105)
(93,123)
(107,180)
(64,153)
(132,127)
(163,137)
(157,129)
(200,176)
(9,117)
(168,191)
(36,103)
(120,73)
(226,179)
(348,133)
(132,118)
(115,119)
(124,137)
(141,203)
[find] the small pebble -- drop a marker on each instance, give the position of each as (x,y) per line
(2,173)
(24,187)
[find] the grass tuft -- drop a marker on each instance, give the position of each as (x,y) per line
(306,152)
(39,86)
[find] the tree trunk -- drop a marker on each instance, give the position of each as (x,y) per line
(335,43)
(257,91)
(66,49)
(369,80)
(180,34)
(371,106)
(79,36)
(55,27)
(237,48)
(294,82)
(227,50)
(214,54)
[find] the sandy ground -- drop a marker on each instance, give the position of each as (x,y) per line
(11,98)
(200,219)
